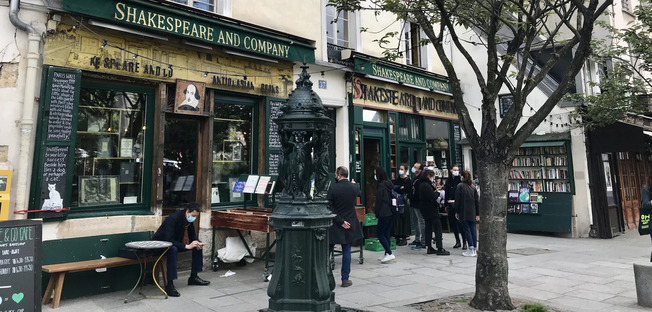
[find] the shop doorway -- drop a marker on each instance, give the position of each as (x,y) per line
(372,151)
(180,159)
(614,210)
(632,170)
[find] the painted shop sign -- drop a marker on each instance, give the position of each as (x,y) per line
(165,19)
(387,71)
(83,50)
(387,96)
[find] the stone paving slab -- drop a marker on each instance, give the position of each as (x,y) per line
(571,275)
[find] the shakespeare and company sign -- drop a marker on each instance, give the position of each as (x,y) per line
(159,18)
(388,96)
(389,71)
(81,49)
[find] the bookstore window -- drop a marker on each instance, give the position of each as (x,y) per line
(369,115)
(109,151)
(438,146)
(232,153)
(409,127)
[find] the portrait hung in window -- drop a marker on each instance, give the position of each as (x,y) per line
(190,97)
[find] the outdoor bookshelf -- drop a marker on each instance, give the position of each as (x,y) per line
(544,170)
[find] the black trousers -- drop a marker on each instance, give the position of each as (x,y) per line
(433,223)
(456,225)
(197,261)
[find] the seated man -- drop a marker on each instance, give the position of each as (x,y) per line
(177,229)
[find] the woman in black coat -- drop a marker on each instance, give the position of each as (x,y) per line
(403,186)
(383,210)
(467,210)
(430,210)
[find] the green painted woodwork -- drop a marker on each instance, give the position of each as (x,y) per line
(89,248)
(555,215)
(215,30)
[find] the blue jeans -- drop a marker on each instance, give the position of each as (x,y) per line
(197,261)
(346,260)
(382,231)
(468,229)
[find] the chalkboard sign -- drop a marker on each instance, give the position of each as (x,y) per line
(457,137)
(55,171)
(20,265)
(57,132)
(274,160)
(62,103)
(505,102)
(274,112)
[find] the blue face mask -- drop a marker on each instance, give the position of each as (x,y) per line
(414,170)
(191,219)
(401,172)
(477,181)
(375,178)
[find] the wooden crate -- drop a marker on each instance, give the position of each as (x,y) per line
(252,219)
(360,210)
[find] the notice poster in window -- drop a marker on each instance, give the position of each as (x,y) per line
(250,185)
(262,184)
(238,186)
(126,147)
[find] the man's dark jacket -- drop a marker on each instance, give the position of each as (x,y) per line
(427,198)
(342,198)
(172,230)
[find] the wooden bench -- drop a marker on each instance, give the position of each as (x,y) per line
(58,271)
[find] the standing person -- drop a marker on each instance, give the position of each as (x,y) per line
(346,228)
(420,224)
(449,189)
(430,211)
(467,210)
(403,186)
(383,210)
(177,229)
(646,198)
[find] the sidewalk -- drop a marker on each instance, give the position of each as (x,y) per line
(568,274)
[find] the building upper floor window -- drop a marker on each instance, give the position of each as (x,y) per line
(222,7)
(338,27)
(414,51)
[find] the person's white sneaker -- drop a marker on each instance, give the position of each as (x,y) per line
(475,252)
(381,257)
(468,253)
(388,258)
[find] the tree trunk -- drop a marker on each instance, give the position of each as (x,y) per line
(491,292)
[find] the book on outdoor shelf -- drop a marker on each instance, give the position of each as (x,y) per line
(525,208)
(512,196)
(534,208)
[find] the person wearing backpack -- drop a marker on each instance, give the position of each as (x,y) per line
(383,211)
(467,210)
(419,223)
(402,186)
(430,210)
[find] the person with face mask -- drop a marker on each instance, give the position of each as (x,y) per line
(178,229)
(430,210)
(418,222)
(383,211)
(403,186)
(449,191)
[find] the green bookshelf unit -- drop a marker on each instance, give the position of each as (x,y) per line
(544,170)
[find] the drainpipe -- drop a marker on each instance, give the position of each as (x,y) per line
(26,122)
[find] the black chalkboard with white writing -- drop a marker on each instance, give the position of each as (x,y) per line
(55,172)
(274,140)
(457,137)
(62,103)
(57,130)
(20,265)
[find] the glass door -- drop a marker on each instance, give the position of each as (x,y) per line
(179,162)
